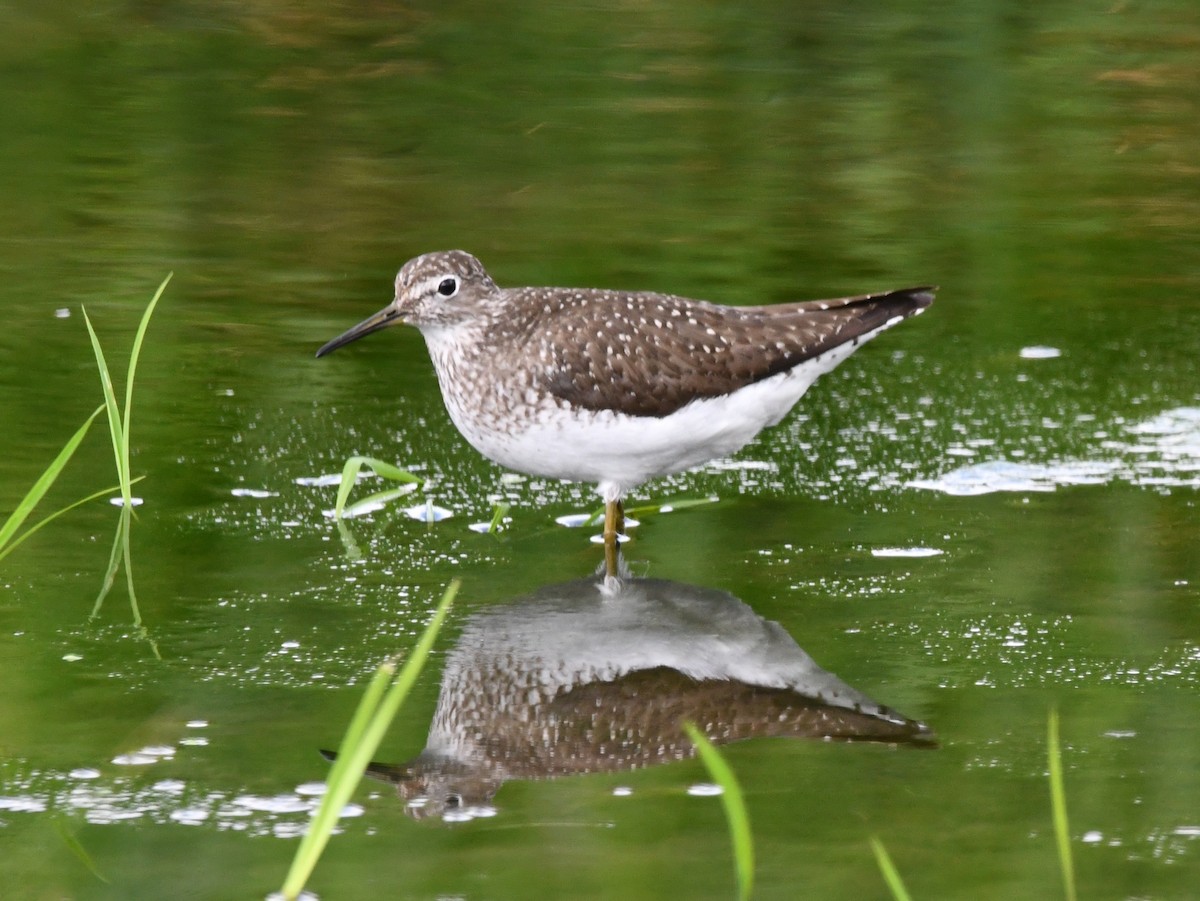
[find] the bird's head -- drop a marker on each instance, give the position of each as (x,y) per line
(441,289)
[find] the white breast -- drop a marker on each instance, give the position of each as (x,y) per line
(506,421)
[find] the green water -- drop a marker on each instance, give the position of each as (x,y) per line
(1039,164)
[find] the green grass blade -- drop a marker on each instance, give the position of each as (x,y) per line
(367,728)
(5,551)
(381,468)
(349,477)
(1058,802)
(367,708)
(389,471)
(115,428)
(110,574)
(42,485)
(650,509)
(498,517)
(890,874)
(671,506)
(133,361)
(405,680)
(119,432)
(735,809)
(374,501)
(73,844)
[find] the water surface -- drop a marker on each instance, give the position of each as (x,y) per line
(989,512)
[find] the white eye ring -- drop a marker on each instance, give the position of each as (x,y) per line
(448,286)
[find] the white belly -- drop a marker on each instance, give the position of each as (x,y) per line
(619,452)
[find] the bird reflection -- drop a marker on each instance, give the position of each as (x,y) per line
(598,676)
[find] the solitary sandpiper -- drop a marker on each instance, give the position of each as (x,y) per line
(617,387)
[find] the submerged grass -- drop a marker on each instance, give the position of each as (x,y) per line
(384,696)
(1058,803)
(119,428)
(735,809)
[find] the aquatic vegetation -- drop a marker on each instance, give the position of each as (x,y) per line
(384,697)
(119,422)
(1058,804)
(648,509)
(497,520)
(119,433)
(372,502)
(1058,801)
(890,874)
(9,543)
(735,809)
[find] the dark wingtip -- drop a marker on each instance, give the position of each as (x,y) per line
(918,298)
(924,295)
(328,755)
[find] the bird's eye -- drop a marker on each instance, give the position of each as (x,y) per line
(448,287)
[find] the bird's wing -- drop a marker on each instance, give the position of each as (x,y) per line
(651,354)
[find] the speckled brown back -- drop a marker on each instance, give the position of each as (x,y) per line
(646,354)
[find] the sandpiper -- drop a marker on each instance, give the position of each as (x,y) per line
(617,387)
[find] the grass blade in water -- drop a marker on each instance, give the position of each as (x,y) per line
(498,517)
(119,427)
(350,475)
(5,551)
(651,509)
(76,848)
(39,489)
(115,428)
(134,353)
(1058,801)
(890,874)
(373,502)
(366,730)
(735,809)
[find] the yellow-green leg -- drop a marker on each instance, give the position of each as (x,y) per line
(614,527)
